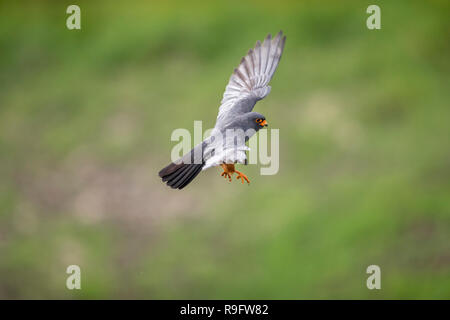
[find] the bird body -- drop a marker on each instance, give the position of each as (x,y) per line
(236,122)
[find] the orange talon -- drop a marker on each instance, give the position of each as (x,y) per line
(228,170)
(242,177)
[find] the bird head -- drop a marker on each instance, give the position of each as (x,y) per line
(256,120)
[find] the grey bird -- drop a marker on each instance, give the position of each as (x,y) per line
(236,122)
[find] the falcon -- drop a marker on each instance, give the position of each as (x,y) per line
(236,122)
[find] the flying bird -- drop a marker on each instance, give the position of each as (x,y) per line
(248,84)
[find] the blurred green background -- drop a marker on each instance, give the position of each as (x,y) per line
(85,124)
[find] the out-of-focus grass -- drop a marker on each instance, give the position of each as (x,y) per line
(85,124)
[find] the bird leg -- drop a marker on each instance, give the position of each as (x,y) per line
(228,170)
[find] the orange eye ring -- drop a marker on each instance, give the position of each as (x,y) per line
(261,122)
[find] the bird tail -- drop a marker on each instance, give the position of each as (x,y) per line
(180,173)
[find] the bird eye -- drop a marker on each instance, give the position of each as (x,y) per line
(258,120)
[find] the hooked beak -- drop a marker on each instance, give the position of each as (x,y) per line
(264,123)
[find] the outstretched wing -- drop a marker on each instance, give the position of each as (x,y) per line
(250,81)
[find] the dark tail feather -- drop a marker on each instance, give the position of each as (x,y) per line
(170,172)
(177,176)
(190,177)
(180,173)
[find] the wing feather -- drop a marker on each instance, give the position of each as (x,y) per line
(250,80)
